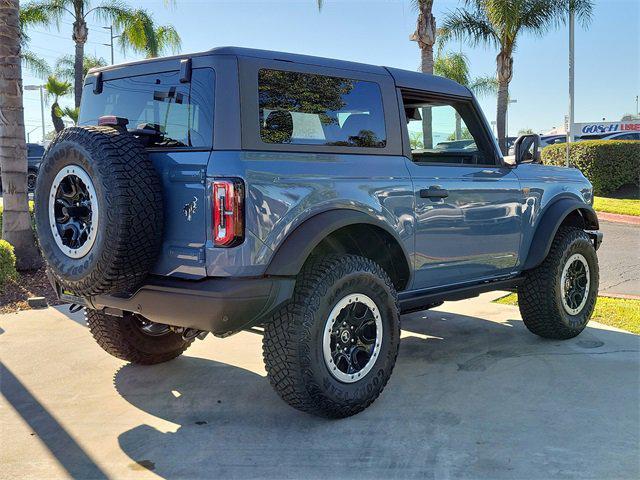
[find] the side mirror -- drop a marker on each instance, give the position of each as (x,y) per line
(527,149)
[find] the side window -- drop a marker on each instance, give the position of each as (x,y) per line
(183,112)
(309,109)
(446,132)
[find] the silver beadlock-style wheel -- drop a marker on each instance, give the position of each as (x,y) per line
(73,211)
(574,284)
(352,337)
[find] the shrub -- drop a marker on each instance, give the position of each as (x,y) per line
(7,262)
(608,164)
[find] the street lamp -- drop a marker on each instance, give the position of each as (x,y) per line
(30,132)
(41,88)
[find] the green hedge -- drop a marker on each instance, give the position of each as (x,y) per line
(7,262)
(608,164)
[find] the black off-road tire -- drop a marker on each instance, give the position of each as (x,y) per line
(540,297)
(292,344)
(123,338)
(129,196)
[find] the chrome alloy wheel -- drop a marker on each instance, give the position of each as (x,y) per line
(73,211)
(352,338)
(574,284)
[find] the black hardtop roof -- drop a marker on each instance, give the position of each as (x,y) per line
(402,78)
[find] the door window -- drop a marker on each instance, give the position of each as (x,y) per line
(446,132)
(308,109)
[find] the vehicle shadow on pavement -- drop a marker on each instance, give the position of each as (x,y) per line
(468,398)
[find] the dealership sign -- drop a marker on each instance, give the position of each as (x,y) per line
(606,127)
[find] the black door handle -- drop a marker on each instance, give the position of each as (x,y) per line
(433,192)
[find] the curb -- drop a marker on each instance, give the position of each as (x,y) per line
(619,218)
(619,295)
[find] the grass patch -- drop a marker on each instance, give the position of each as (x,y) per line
(625,206)
(617,312)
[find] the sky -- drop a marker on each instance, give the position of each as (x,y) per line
(607,53)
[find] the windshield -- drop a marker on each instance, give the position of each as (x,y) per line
(181,112)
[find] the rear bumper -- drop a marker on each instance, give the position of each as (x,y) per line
(219,305)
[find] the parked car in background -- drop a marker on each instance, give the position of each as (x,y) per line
(545,141)
(34,157)
(611,136)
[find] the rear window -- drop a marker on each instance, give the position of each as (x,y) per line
(182,111)
(308,109)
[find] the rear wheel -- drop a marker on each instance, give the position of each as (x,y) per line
(135,339)
(557,298)
(332,349)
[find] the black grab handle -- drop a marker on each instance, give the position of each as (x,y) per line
(433,192)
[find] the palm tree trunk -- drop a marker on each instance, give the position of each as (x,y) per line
(426,66)
(501,115)
(425,35)
(80,33)
(16,222)
(58,124)
(458,126)
(504,62)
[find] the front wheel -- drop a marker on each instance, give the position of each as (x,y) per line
(134,339)
(557,298)
(331,350)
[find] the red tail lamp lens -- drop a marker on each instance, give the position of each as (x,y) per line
(228,212)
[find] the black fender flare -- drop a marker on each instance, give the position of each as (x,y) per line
(551,219)
(298,245)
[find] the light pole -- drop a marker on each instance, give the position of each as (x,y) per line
(30,132)
(111,38)
(41,88)
(571,79)
(506,117)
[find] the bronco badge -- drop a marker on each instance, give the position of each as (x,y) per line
(190,208)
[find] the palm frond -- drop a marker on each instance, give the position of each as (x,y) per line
(57,88)
(35,64)
(65,66)
(454,66)
(71,113)
(43,13)
(168,39)
(485,85)
(471,26)
(114,11)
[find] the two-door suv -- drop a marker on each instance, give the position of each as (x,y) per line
(308,199)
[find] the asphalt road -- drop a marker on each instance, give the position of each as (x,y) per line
(619,259)
(473,395)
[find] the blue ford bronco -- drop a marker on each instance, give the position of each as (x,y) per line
(307,199)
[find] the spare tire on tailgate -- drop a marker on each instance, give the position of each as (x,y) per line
(98,211)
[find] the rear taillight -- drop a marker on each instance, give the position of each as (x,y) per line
(228,212)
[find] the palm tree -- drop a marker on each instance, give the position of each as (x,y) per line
(57,88)
(143,36)
(16,222)
(456,67)
(65,66)
(498,23)
(47,12)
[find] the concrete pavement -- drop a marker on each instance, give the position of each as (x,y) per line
(473,395)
